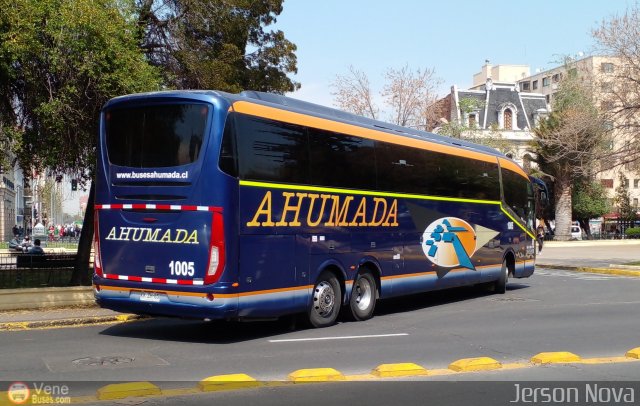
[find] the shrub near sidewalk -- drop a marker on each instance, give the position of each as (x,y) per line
(633,232)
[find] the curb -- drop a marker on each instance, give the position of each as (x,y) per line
(71,322)
(561,357)
(239,381)
(606,271)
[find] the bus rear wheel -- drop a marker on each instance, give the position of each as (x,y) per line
(327,298)
(363,297)
(500,286)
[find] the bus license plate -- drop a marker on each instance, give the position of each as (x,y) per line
(150,297)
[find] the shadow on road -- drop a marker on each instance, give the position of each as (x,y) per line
(228,332)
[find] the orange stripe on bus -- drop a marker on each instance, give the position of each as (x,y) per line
(506,164)
(272,113)
(271,291)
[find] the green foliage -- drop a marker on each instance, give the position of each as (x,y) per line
(63,61)
(623,200)
(568,145)
(632,232)
(219,45)
(589,201)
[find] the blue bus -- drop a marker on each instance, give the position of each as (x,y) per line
(212,205)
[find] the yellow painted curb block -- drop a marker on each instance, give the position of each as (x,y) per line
(316,375)
(559,357)
(394,370)
(634,353)
(126,390)
(475,364)
(227,382)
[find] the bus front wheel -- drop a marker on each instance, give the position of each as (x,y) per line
(363,297)
(327,298)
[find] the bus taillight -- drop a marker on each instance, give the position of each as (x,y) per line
(97,260)
(216,250)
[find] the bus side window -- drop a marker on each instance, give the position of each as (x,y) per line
(518,194)
(270,150)
(227,161)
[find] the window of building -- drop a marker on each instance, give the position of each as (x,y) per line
(607,183)
(534,84)
(606,67)
(556,78)
(635,202)
(508,119)
(473,120)
(606,87)
(635,183)
(524,86)
(545,81)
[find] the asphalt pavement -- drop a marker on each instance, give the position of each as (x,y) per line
(605,256)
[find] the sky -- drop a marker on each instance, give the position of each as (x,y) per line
(452,37)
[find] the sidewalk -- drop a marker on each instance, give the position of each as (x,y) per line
(608,256)
(63,317)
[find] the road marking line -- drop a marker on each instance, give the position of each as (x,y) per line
(337,338)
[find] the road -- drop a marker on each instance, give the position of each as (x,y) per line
(587,314)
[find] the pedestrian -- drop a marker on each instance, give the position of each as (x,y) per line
(26,244)
(15,230)
(36,249)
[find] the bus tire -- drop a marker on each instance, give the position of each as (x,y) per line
(500,286)
(326,301)
(363,297)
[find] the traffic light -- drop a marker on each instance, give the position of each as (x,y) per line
(74,184)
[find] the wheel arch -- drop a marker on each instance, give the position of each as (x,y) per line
(510,259)
(371,265)
(335,267)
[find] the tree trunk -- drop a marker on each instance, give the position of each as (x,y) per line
(586,227)
(80,275)
(562,191)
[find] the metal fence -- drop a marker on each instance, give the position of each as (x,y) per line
(34,271)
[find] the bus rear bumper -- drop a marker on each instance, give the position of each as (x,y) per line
(160,303)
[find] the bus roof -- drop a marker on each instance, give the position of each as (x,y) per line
(316,110)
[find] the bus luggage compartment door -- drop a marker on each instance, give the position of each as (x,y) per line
(272,282)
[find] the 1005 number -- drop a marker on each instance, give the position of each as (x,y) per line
(182,268)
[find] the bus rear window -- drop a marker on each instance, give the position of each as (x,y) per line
(156,136)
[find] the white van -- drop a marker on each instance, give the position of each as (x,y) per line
(576,232)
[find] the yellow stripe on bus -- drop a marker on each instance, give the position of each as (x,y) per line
(267,185)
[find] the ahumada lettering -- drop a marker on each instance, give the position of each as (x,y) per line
(314,209)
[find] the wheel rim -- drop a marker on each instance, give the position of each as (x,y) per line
(363,294)
(324,299)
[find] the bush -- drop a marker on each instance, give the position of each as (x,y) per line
(633,232)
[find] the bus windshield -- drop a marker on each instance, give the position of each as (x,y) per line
(155,136)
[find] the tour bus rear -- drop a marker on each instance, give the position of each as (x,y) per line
(160,225)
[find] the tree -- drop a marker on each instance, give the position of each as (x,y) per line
(622,200)
(568,144)
(619,37)
(352,93)
(589,201)
(60,62)
(220,45)
(408,95)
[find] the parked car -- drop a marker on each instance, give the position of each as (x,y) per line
(576,233)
